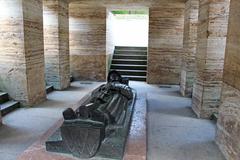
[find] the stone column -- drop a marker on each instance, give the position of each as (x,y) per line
(21,50)
(212,31)
(189,47)
(56,43)
(87,26)
(166,23)
(228,126)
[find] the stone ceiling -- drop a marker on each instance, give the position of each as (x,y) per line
(127,3)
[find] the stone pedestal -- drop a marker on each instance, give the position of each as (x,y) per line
(189,47)
(56,43)
(212,31)
(228,126)
(136,145)
(21,51)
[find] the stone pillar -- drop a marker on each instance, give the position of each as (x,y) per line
(56,43)
(0,119)
(87,26)
(189,47)
(212,31)
(228,126)
(166,23)
(21,50)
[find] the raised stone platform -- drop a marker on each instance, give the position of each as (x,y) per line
(135,145)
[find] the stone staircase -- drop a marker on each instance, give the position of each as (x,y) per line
(7,105)
(130,62)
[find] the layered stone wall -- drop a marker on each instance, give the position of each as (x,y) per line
(228,126)
(110,38)
(188,70)
(212,31)
(166,23)
(56,43)
(21,51)
(87,42)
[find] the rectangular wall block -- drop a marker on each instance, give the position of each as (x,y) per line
(21,51)
(166,23)
(188,70)
(87,42)
(228,126)
(212,31)
(110,38)
(56,43)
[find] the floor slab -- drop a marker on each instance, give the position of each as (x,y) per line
(174,132)
(24,126)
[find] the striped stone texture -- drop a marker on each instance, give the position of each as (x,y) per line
(166,23)
(87,42)
(110,38)
(228,126)
(56,43)
(212,31)
(188,70)
(130,4)
(21,50)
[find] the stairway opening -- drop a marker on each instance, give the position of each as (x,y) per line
(127,42)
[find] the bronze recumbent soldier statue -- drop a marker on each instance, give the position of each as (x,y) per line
(99,127)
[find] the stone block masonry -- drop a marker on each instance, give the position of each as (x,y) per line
(211,42)
(88,59)
(228,126)
(56,43)
(21,51)
(166,24)
(188,71)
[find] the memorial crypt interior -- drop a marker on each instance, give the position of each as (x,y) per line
(180,57)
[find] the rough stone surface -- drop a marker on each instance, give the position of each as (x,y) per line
(212,31)
(110,38)
(189,47)
(56,43)
(166,23)
(136,145)
(21,51)
(228,128)
(87,42)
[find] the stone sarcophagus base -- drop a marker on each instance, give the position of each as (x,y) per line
(99,128)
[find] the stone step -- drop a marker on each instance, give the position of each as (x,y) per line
(130,48)
(49,89)
(129,52)
(128,67)
(129,61)
(133,72)
(136,78)
(134,57)
(8,107)
(3,97)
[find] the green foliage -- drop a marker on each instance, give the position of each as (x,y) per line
(144,12)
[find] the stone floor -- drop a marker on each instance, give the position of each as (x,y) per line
(24,126)
(174,133)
